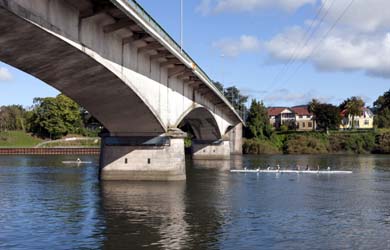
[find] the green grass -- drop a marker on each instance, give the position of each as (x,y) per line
(14,139)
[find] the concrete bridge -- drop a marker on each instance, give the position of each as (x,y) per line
(112,58)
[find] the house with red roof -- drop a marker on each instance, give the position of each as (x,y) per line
(297,118)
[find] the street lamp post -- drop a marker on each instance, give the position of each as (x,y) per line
(181,25)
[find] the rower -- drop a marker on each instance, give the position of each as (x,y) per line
(78,160)
(328,168)
(318,167)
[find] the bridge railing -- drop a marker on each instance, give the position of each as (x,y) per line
(157,27)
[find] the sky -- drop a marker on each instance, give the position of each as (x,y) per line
(284,52)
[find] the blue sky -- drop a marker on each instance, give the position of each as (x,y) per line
(343,52)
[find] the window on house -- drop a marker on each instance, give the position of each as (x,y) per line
(301,116)
(303,124)
(357,124)
(366,122)
(310,124)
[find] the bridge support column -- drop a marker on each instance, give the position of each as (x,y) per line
(206,150)
(143,158)
(235,137)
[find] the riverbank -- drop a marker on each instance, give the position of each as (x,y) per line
(22,139)
(343,142)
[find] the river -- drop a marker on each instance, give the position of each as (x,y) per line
(45,204)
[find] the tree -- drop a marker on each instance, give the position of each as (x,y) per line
(353,107)
(12,117)
(219,86)
(327,116)
(234,96)
(312,108)
(382,110)
(258,125)
(55,117)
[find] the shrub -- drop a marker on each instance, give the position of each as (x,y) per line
(382,142)
(256,146)
(305,145)
(352,142)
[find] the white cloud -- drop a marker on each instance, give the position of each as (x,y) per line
(232,47)
(341,51)
(217,6)
(366,16)
(5,75)
(288,98)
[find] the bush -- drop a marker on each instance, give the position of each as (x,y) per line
(353,142)
(256,146)
(283,128)
(357,142)
(382,142)
(305,145)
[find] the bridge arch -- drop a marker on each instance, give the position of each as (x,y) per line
(202,123)
(78,72)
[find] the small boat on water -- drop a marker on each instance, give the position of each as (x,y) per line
(291,171)
(77,162)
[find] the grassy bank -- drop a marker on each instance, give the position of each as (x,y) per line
(353,142)
(14,139)
(21,139)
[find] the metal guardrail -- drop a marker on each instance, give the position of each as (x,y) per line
(160,30)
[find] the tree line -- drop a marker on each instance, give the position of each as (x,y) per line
(327,116)
(49,117)
(55,117)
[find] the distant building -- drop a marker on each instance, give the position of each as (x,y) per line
(298,118)
(364,121)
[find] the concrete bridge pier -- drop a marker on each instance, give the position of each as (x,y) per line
(143,158)
(211,150)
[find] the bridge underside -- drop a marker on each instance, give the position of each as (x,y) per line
(143,142)
(75,74)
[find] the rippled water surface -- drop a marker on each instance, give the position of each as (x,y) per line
(45,204)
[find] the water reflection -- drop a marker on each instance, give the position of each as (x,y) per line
(144,214)
(46,205)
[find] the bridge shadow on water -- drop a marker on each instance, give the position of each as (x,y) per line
(167,215)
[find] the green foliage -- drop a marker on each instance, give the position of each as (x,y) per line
(292,142)
(304,144)
(12,118)
(187,142)
(258,146)
(327,116)
(382,110)
(55,117)
(219,86)
(312,108)
(352,142)
(284,128)
(382,141)
(353,107)
(18,139)
(235,97)
(258,122)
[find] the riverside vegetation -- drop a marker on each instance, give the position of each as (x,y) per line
(60,117)
(261,138)
(358,142)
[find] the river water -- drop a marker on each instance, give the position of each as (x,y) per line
(47,205)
